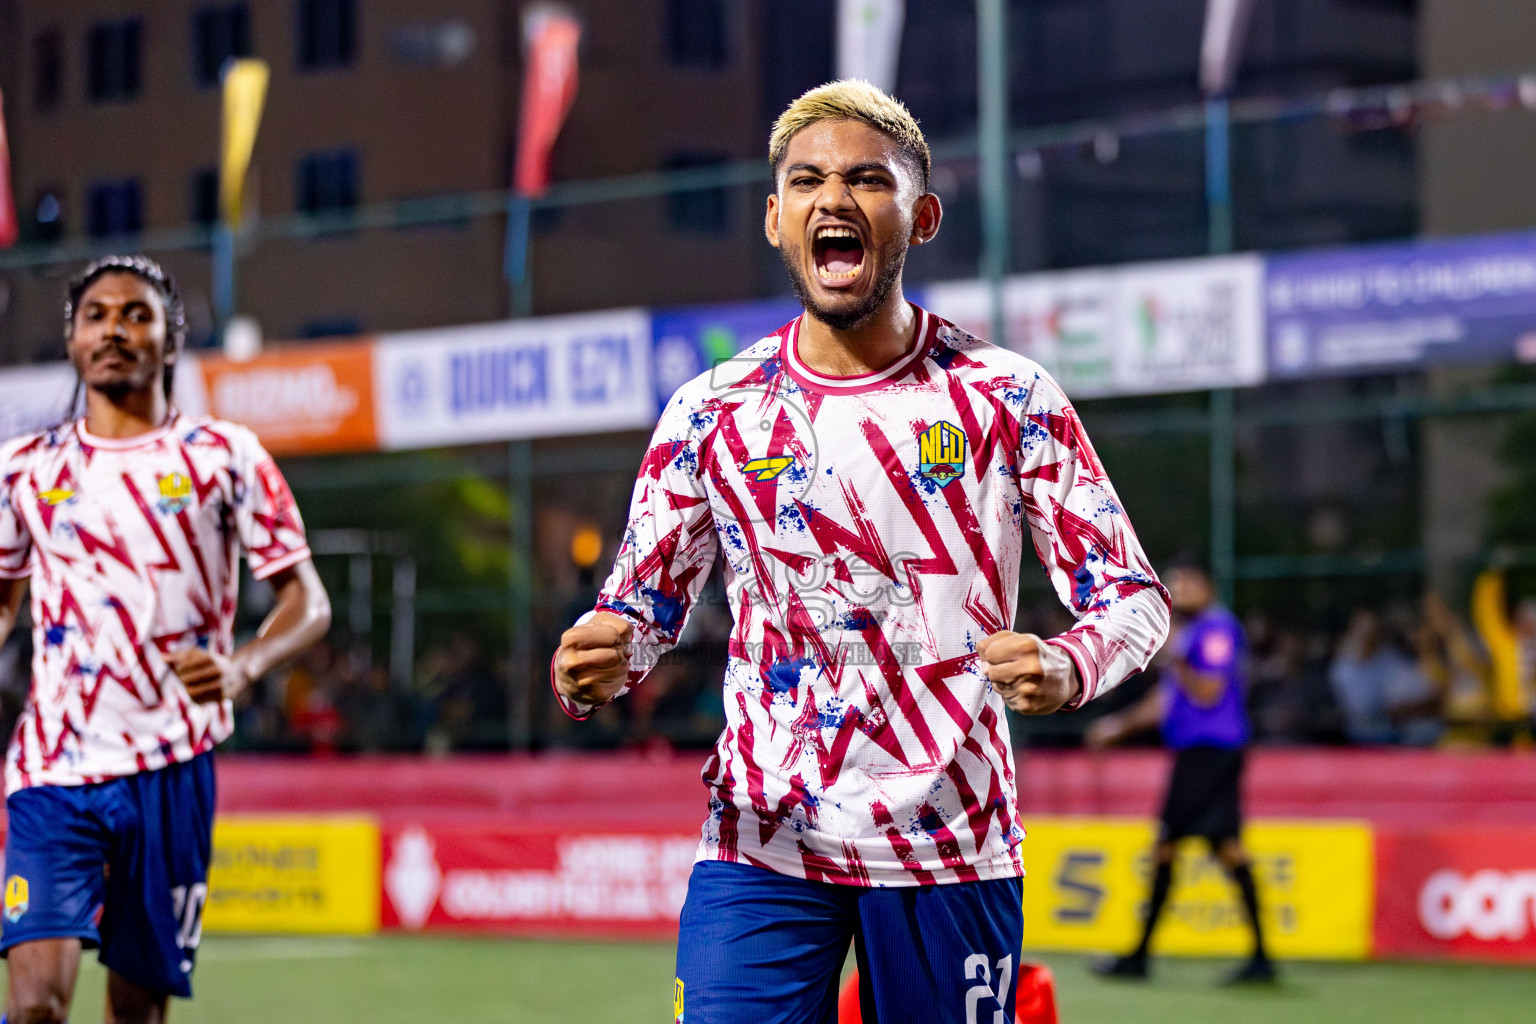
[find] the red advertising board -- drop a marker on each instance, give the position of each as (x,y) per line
(1462,891)
(484,876)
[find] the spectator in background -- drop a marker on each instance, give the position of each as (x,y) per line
(1383,693)
(1510,639)
(1449,658)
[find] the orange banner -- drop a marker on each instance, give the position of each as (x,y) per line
(300,401)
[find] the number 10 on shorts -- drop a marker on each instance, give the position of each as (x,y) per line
(187,907)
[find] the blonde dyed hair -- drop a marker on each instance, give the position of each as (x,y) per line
(851,99)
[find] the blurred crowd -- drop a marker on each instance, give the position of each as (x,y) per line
(1414,674)
(1417,676)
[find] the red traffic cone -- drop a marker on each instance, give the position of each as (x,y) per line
(848,1001)
(1036,997)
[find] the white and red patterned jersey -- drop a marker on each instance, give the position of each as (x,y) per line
(132,546)
(873,529)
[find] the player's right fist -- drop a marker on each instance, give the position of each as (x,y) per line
(592,664)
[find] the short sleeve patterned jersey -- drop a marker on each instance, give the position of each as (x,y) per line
(873,530)
(132,546)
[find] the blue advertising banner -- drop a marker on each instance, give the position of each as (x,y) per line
(688,341)
(1381,308)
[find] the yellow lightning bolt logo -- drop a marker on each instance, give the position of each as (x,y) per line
(769,467)
(57,496)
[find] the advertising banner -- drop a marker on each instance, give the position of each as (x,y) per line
(1463,891)
(34,397)
(1388,307)
(1065,322)
(300,401)
(686,342)
(579,374)
(1189,325)
(294,874)
(1088,880)
(509,878)
(1140,329)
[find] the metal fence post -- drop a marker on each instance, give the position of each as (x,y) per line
(520,596)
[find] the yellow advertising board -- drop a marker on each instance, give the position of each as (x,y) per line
(1087,881)
(294,874)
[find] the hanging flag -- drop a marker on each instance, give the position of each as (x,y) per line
(869,40)
(1221,48)
(550,37)
(245,91)
(9,229)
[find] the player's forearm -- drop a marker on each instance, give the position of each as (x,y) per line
(300,618)
(1114,644)
(1203,688)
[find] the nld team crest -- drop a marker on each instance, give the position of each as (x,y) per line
(941,453)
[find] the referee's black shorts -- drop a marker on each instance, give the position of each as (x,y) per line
(1204,797)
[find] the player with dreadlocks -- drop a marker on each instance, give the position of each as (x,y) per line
(128,520)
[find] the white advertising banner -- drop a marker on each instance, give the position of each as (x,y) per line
(1139,329)
(1190,325)
(34,397)
(578,374)
(1064,322)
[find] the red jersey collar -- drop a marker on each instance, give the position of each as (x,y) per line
(829,384)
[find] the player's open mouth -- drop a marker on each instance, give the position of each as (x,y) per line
(839,254)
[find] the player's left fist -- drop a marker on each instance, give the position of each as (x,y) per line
(1032,676)
(208,677)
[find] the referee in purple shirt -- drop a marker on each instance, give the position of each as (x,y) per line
(1198,704)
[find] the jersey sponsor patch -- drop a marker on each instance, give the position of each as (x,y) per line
(17,898)
(941,453)
(56,496)
(767,468)
(677,1001)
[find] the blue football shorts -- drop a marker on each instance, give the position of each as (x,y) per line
(757,947)
(120,865)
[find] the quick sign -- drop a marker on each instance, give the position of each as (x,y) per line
(519,378)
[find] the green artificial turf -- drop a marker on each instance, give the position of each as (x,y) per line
(480,981)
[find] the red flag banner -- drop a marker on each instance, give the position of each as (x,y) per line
(9,229)
(550,38)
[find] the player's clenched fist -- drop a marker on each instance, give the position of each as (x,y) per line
(1033,677)
(208,676)
(592,664)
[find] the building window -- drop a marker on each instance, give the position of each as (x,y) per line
(48,215)
(218,34)
(327,33)
(698,211)
(327,182)
(331,327)
(114,208)
(47,70)
(696,34)
(205,196)
(112,61)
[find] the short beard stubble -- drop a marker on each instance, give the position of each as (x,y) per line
(892,258)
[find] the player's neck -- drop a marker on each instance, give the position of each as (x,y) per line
(867,348)
(127,415)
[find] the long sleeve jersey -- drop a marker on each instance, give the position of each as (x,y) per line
(873,529)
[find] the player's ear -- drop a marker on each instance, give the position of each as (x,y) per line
(771,221)
(926,215)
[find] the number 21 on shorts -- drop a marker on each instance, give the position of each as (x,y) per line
(976,970)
